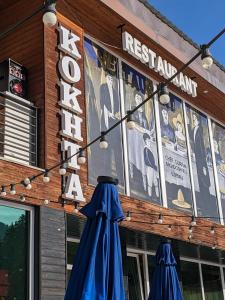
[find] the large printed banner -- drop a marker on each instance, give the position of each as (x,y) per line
(142,148)
(103,111)
(202,163)
(219,150)
(175,158)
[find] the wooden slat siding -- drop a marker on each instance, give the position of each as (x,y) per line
(52,254)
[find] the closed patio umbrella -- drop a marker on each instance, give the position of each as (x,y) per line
(165,284)
(97,270)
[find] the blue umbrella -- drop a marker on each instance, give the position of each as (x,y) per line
(165,284)
(97,270)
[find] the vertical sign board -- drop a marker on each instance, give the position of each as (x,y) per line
(69,67)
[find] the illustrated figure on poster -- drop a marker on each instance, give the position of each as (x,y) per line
(135,139)
(219,160)
(167,132)
(110,113)
(150,165)
(180,144)
(200,156)
(139,115)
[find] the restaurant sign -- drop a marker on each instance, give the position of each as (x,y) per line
(155,62)
(70,76)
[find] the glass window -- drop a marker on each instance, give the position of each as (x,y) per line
(202,163)
(219,150)
(212,282)
(190,278)
(134,278)
(14,253)
(103,111)
(142,148)
(151,266)
(176,166)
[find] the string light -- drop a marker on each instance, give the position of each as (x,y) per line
(170,227)
(12,189)
(214,246)
(81,157)
(212,230)
(103,143)
(130,120)
(22,198)
(160,219)
(62,170)
(46,177)
(164,96)
(3,191)
(190,237)
(128,216)
(28,186)
(46,202)
(76,205)
(190,229)
(49,17)
(193,221)
(206,57)
(26,180)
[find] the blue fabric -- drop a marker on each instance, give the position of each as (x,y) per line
(165,284)
(97,271)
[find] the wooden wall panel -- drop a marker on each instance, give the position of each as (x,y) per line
(52,254)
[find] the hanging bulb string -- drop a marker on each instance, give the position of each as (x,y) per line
(179,216)
(175,224)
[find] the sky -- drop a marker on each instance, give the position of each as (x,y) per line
(201,20)
(10,215)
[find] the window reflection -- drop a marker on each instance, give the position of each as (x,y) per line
(13,253)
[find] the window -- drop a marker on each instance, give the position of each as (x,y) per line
(18,130)
(219,152)
(212,282)
(175,157)
(142,148)
(103,111)
(167,158)
(15,253)
(202,163)
(135,283)
(190,277)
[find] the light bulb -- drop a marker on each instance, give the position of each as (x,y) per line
(160,219)
(170,227)
(206,57)
(46,178)
(12,189)
(193,221)
(46,202)
(49,17)
(212,230)
(128,216)
(26,180)
(164,97)
(62,170)
(103,143)
(22,198)
(3,191)
(81,158)
(28,186)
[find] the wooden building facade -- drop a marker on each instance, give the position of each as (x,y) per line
(102,59)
